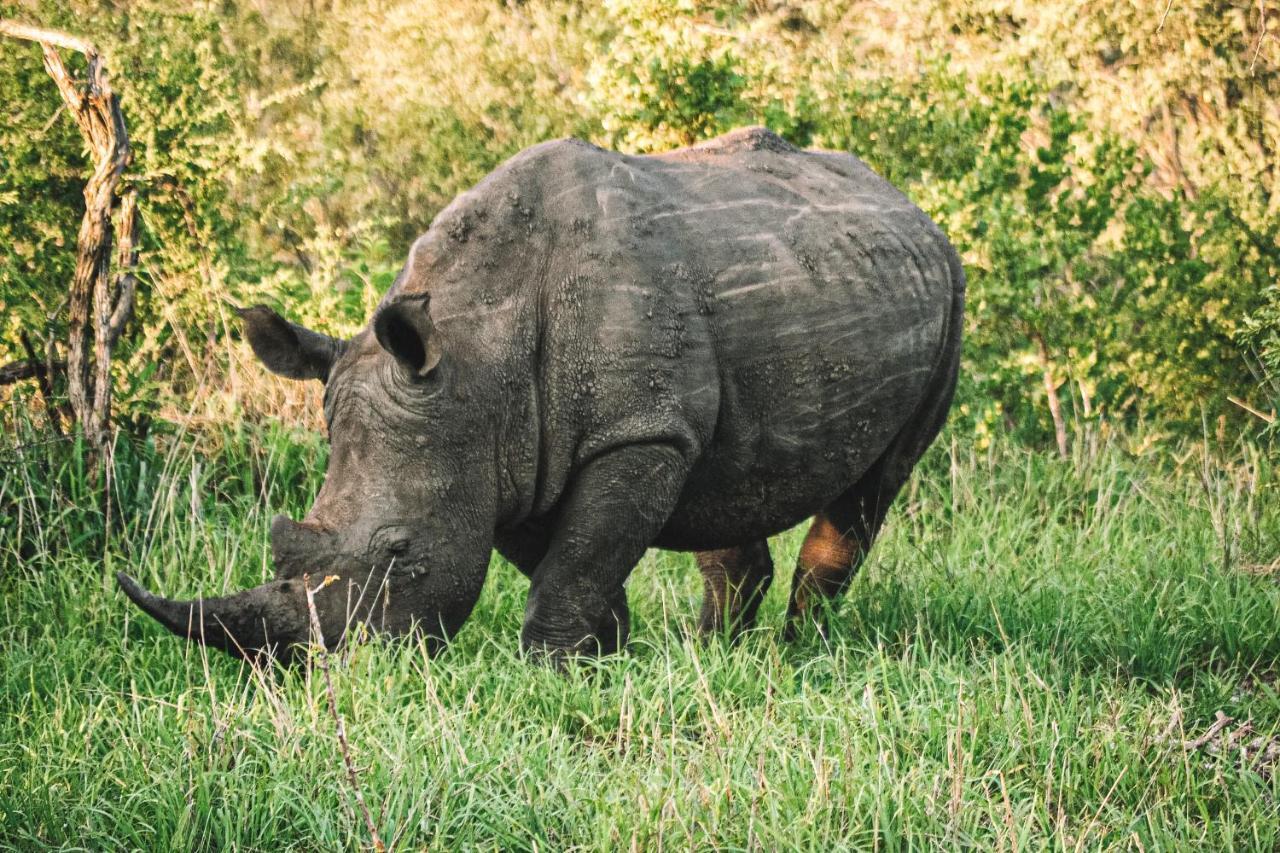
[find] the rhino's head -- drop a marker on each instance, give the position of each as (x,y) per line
(405,517)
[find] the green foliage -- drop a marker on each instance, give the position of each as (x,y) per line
(177,85)
(662,80)
(1196,274)
(41,181)
(1129,258)
(400,108)
(1261,334)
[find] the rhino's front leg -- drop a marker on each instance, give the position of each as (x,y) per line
(615,508)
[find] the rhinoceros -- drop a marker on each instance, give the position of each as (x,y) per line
(591,354)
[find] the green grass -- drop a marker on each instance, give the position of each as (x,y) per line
(1000,675)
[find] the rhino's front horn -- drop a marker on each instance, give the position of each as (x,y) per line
(267,619)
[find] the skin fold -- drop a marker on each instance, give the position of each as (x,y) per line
(591,354)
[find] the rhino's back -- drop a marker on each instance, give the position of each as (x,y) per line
(790,306)
(825,297)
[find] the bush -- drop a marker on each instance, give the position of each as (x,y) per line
(1113,264)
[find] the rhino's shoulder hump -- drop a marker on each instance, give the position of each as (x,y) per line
(565,146)
(738,141)
(551,160)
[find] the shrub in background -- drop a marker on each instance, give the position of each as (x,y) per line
(1114,201)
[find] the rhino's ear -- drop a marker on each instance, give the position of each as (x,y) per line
(403,327)
(288,349)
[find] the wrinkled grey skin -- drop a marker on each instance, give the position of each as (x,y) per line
(591,354)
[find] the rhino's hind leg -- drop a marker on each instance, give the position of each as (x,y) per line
(735,581)
(834,548)
(842,534)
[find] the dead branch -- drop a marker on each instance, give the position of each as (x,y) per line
(1251,751)
(16,371)
(126,283)
(55,38)
(99,308)
(1219,723)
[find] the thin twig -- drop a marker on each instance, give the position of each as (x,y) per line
(1262,33)
(322,659)
(43,381)
(1268,418)
(1218,725)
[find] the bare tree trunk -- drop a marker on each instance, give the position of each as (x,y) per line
(98,307)
(1051,391)
(113,307)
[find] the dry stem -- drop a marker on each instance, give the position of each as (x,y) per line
(322,660)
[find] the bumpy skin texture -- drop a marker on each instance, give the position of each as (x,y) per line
(590,354)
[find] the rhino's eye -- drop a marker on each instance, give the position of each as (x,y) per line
(393,541)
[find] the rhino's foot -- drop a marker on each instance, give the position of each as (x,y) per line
(813,622)
(834,548)
(577,604)
(544,642)
(734,581)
